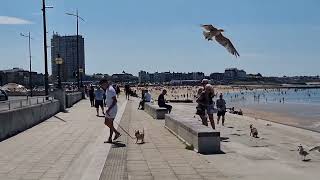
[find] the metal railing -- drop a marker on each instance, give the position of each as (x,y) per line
(20,103)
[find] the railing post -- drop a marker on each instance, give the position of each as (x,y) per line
(37,100)
(21,104)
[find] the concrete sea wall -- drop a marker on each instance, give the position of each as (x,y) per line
(14,121)
(72,98)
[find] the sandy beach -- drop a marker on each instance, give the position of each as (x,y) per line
(183,92)
(285,118)
(304,116)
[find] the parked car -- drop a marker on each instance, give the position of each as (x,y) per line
(3,95)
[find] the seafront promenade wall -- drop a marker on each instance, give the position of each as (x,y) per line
(72,98)
(15,121)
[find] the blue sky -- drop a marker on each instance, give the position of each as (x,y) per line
(274,37)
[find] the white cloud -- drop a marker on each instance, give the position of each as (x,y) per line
(13,20)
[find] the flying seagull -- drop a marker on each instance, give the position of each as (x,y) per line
(211,32)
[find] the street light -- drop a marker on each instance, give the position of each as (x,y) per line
(59,62)
(78,67)
(30,60)
(81,73)
(46,79)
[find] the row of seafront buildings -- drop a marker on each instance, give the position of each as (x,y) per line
(165,77)
(61,46)
(162,77)
(20,76)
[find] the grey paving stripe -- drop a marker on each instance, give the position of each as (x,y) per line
(115,166)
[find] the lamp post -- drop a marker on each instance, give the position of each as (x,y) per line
(81,72)
(59,62)
(46,76)
(30,60)
(78,66)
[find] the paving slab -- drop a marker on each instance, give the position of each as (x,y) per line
(162,156)
(53,149)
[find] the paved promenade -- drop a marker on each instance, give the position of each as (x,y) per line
(70,146)
(162,156)
(66,146)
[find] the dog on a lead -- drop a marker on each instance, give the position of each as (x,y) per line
(139,136)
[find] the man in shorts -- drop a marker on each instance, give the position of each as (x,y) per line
(112,108)
(98,95)
(221,105)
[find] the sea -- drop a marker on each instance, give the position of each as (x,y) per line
(302,106)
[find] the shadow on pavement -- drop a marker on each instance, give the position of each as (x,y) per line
(117,144)
(60,118)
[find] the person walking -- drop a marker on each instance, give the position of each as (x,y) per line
(91,96)
(221,106)
(98,95)
(127,90)
(210,107)
(162,101)
(118,91)
(204,101)
(112,108)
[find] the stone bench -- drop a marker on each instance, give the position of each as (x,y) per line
(204,139)
(155,111)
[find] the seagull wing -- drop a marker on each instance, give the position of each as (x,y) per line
(225,42)
(315,148)
(208,27)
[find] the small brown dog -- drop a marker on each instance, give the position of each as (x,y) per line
(139,136)
(253,131)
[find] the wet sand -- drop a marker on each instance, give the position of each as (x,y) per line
(286,116)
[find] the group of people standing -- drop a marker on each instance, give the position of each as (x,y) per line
(206,105)
(105,95)
(98,97)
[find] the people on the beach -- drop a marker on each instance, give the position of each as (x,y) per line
(98,95)
(221,106)
(91,96)
(112,108)
(162,101)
